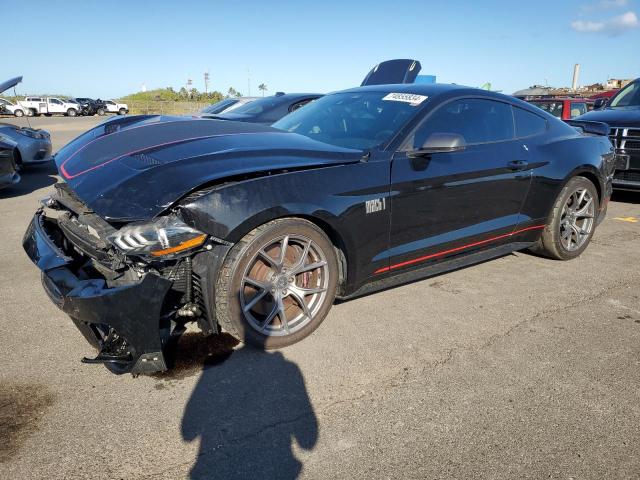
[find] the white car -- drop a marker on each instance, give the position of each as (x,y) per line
(113,107)
(49,106)
(10,108)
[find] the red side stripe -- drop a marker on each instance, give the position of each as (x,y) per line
(457,249)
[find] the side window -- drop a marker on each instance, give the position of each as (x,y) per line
(578,109)
(527,123)
(476,120)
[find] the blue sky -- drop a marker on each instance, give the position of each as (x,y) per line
(110,48)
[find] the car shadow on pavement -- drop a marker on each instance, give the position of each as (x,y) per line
(247,409)
(31,179)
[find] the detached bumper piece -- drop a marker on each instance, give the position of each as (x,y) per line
(123,321)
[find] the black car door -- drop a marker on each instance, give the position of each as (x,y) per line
(450,203)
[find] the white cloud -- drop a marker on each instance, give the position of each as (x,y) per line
(612,27)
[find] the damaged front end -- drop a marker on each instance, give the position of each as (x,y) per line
(128,288)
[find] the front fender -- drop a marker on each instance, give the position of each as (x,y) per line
(332,197)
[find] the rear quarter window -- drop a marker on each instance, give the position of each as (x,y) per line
(527,123)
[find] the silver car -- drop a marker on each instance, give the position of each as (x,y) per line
(33,145)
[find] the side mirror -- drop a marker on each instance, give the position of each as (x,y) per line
(440,143)
(599,103)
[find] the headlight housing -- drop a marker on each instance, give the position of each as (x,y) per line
(27,132)
(164,237)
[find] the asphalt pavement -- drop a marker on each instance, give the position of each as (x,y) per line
(521,367)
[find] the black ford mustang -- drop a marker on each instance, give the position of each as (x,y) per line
(255,229)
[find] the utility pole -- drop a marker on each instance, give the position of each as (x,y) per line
(189,83)
(206,82)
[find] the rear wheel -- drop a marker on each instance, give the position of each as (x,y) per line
(277,284)
(572,221)
(101,112)
(72,112)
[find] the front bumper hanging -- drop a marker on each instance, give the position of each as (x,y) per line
(123,322)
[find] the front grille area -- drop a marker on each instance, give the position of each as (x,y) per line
(626,139)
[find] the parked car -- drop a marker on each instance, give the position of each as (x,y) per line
(113,107)
(564,108)
(8,168)
(266,110)
(49,106)
(32,146)
(8,108)
(622,114)
(226,105)
(256,229)
(91,106)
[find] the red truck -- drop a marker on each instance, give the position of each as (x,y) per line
(564,108)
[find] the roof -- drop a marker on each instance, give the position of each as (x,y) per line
(428,89)
(433,90)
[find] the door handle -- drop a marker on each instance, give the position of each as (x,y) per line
(517,165)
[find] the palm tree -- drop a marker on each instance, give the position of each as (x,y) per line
(232,92)
(263,88)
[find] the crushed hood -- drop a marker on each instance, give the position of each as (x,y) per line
(134,168)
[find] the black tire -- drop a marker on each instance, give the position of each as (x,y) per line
(18,113)
(122,111)
(72,112)
(48,114)
(550,244)
(230,280)
(101,112)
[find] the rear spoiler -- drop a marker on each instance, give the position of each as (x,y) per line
(586,126)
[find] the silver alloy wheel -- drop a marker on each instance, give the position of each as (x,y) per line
(577,219)
(284,285)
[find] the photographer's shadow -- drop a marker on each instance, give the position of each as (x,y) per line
(246,410)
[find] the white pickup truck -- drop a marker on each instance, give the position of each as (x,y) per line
(114,107)
(49,106)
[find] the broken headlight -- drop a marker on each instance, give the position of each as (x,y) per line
(163,237)
(28,132)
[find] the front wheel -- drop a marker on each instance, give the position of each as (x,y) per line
(71,112)
(18,113)
(101,112)
(277,284)
(122,111)
(572,221)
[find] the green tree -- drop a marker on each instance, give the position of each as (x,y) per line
(232,92)
(263,88)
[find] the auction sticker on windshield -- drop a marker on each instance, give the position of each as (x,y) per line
(406,97)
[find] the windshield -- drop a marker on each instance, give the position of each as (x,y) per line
(629,96)
(220,106)
(352,120)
